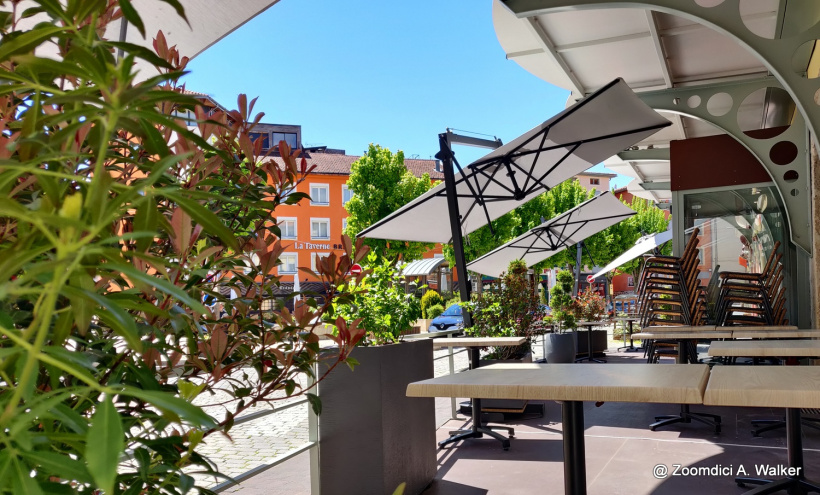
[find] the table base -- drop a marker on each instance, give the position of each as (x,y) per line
(686,416)
(793,485)
(458,435)
(774,424)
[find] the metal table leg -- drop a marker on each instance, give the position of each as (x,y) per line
(685,415)
(589,355)
(575,469)
(478,430)
(794,450)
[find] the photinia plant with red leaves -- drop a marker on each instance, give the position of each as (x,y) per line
(122,228)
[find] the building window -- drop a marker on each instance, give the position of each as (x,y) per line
(630,281)
(319,194)
(287,226)
(320,229)
(288,263)
(288,137)
(347,194)
(344,225)
(265,138)
(315,258)
(595,182)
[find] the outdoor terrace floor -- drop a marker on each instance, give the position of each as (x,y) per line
(621,452)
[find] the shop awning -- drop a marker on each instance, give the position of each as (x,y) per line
(422,267)
(555,235)
(595,128)
(643,245)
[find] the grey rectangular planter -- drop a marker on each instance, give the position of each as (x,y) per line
(599,342)
(372,437)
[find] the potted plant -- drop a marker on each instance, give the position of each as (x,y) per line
(366,410)
(430,299)
(590,306)
(561,346)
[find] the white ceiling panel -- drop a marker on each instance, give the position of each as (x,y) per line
(598,64)
(583,26)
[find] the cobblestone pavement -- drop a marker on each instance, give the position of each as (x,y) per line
(259,441)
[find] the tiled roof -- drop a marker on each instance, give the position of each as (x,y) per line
(334,164)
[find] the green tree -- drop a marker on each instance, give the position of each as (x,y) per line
(381,184)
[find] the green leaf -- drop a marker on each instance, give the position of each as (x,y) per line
(27,41)
(169,403)
(146,220)
(159,283)
(130,13)
(104,446)
(59,465)
(21,481)
(205,217)
(121,322)
(315,403)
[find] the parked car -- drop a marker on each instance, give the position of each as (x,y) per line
(451,317)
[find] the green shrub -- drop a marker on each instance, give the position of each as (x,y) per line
(118,221)
(435,311)
(431,298)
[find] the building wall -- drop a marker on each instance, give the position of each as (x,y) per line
(597,181)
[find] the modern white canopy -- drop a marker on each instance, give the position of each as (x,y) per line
(555,235)
(602,124)
(642,245)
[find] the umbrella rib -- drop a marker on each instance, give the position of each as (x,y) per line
(490,178)
(559,162)
(535,160)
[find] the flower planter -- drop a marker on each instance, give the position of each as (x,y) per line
(560,347)
(371,436)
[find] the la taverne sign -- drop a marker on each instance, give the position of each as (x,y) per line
(310,245)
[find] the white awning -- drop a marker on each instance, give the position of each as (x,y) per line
(644,244)
(595,128)
(555,235)
(422,267)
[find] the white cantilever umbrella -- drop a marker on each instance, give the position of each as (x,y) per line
(642,245)
(604,123)
(208,22)
(555,235)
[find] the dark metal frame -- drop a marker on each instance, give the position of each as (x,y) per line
(446,156)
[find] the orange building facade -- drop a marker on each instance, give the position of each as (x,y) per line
(313,228)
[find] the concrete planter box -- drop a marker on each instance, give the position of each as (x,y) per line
(423,324)
(371,436)
(504,405)
(599,343)
(560,347)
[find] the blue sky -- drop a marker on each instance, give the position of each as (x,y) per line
(390,73)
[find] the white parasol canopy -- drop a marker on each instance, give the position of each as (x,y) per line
(595,128)
(555,235)
(208,22)
(642,245)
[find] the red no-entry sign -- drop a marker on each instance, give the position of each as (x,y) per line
(590,278)
(356,269)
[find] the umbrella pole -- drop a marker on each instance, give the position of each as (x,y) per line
(478,430)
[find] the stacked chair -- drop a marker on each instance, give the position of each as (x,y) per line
(669,292)
(753,298)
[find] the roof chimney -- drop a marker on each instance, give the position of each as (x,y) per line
(437,168)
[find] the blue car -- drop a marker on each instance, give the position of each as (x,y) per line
(451,318)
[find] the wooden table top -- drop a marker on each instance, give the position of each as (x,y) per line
(659,328)
(766,348)
(681,335)
(669,383)
(764,386)
(480,342)
(759,328)
(774,334)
